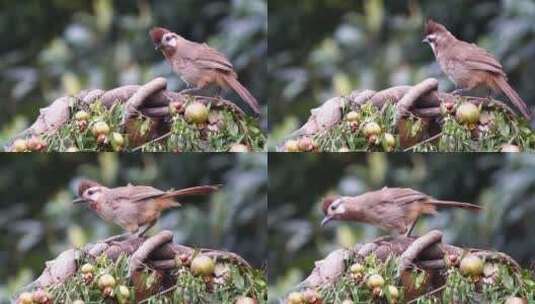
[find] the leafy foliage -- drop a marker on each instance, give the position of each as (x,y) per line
(495,285)
(231,282)
(495,130)
(223,129)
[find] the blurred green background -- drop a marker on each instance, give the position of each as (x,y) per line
(323,48)
(38,220)
(504,185)
(51,48)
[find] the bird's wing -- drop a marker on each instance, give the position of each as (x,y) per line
(136,193)
(207,57)
(480,59)
(403,196)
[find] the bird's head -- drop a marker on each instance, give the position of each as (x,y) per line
(333,209)
(89,191)
(434,34)
(163,39)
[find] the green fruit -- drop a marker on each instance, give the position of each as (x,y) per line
(25,298)
(292,146)
(19,145)
(117,141)
(353,116)
(245,300)
(296,298)
(100,128)
(238,148)
(467,113)
(389,142)
(87,268)
(123,294)
(81,115)
(106,280)
(371,129)
(515,300)
(374,281)
(356,268)
(197,113)
(472,265)
(202,265)
(393,291)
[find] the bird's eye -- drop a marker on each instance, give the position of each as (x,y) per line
(90,192)
(333,207)
(167,38)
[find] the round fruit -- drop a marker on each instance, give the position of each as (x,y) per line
(510,148)
(100,128)
(389,142)
(353,116)
(515,300)
(311,296)
(292,146)
(393,291)
(41,296)
(238,148)
(102,138)
(245,300)
(375,280)
(202,265)
(356,268)
(296,298)
(87,268)
(81,115)
(176,107)
(19,145)
(117,141)
(371,129)
(197,113)
(106,280)
(25,298)
(305,144)
(472,265)
(35,143)
(123,293)
(467,113)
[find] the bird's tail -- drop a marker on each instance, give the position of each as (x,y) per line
(167,200)
(452,204)
(242,91)
(513,96)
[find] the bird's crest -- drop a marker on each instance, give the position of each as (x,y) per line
(86,184)
(432,27)
(327,201)
(156,34)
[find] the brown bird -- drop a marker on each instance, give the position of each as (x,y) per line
(133,207)
(468,65)
(199,65)
(392,209)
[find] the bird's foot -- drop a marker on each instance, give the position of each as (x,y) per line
(118,238)
(190,91)
(457,92)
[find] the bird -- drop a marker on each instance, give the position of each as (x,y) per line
(133,207)
(199,65)
(392,209)
(468,65)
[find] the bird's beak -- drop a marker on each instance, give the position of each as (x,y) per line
(425,40)
(79,200)
(326,219)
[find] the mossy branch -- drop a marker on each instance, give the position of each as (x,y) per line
(141,114)
(414,270)
(419,118)
(154,269)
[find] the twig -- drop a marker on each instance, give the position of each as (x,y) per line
(424,141)
(135,102)
(152,141)
(143,252)
(432,292)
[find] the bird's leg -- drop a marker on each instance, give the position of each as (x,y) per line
(117,238)
(408,233)
(142,232)
(191,91)
(458,91)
